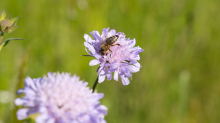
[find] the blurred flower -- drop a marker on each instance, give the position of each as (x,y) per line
(7,24)
(60,98)
(121,58)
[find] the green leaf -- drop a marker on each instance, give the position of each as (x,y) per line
(7,40)
(4,43)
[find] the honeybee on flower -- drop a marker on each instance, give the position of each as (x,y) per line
(114,53)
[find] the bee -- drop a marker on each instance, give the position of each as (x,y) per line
(107,43)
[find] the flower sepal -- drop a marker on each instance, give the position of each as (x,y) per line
(8,24)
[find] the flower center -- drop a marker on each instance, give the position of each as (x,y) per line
(5,23)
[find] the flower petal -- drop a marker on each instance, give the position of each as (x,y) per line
(96,35)
(41,118)
(94,62)
(20,91)
(22,113)
(125,80)
(112,32)
(133,68)
(19,101)
(114,66)
(105,32)
(127,72)
(98,56)
(88,52)
(132,43)
(28,82)
(32,110)
(116,75)
(90,47)
(137,64)
(87,38)
(136,52)
(109,76)
(101,76)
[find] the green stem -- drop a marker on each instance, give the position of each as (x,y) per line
(95,84)
(1,37)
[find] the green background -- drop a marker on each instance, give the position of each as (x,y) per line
(179,81)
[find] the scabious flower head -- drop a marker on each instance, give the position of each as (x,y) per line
(7,24)
(122,57)
(60,98)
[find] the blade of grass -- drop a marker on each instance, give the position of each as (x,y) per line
(10,116)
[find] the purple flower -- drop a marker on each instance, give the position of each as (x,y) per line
(121,57)
(60,98)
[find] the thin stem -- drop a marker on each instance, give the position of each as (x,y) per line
(86,55)
(95,84)
(1,37)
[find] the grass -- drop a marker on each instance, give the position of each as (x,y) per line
(179,78)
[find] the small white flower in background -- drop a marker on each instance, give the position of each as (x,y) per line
(60,98)
(120,56)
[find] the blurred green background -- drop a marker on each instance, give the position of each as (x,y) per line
(179,81)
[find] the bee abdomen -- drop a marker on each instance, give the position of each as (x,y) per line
(112,39)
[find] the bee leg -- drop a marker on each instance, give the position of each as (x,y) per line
(110,50)
(116,44)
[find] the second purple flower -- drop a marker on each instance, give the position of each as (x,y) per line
(60,98)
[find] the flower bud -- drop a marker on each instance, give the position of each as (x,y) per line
(7,24)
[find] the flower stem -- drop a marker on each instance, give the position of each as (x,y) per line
(1,37)
(95,84)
